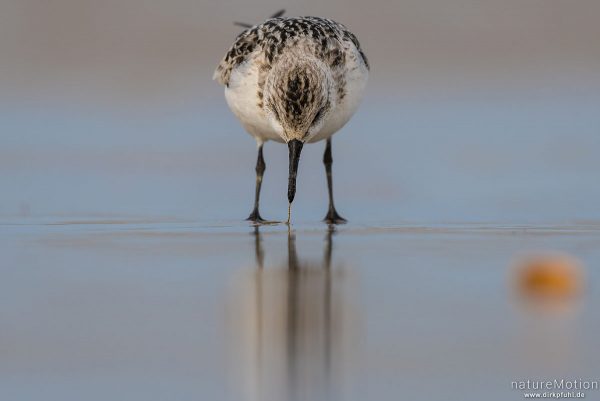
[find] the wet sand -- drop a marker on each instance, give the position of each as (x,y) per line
(150,309)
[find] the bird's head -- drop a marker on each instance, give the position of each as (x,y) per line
(298,97)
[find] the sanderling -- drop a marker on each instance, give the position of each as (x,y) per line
(295,81)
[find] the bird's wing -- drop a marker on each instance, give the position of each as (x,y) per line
(244,44)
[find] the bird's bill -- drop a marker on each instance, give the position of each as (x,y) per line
(295,148)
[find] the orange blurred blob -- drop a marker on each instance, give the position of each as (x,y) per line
(551,281)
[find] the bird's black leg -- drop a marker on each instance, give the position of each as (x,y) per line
(260,169)
(332,216)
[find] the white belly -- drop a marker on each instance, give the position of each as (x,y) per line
(242,98)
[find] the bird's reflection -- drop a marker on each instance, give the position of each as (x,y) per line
(294,325)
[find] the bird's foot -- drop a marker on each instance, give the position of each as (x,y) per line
(256,218)
(333,217)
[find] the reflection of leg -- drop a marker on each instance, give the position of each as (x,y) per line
(327,313)
(258,248)
(328,246)
(332,216)
(260,169)
(258,301)
(292,254)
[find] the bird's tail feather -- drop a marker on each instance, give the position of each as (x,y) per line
(246,25)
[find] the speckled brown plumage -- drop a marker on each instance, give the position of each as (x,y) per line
(325,38)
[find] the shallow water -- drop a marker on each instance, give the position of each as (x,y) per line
(155,309)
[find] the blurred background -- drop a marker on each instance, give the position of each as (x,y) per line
(468,175)
(479,111)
